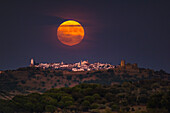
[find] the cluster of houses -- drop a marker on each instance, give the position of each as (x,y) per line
(80,66)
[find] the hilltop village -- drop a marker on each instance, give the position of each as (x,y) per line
(80,66)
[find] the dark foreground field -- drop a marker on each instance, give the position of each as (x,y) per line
(145,96)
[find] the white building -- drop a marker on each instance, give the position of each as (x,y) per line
(84,62)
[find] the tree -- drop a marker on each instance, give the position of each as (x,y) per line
(89,98)
(69,77)
(85,105)
(50,108)
(67,101)
(110,97)
(23,81)
(94,106)
(96,96)
(155,101)
(115,107)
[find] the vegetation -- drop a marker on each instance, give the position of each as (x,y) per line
(121,90)
(28,79)
(144,96)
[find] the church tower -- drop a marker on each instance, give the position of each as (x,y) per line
(122,63)
(32,62)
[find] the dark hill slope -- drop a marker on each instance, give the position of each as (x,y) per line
(30,79)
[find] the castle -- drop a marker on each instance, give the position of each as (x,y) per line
(128,65)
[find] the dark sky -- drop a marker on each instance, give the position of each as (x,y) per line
(135,30)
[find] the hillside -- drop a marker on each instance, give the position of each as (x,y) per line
(146,96)
(31,79)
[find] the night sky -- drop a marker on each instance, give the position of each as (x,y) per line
(137,31)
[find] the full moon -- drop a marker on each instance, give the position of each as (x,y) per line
(70,33)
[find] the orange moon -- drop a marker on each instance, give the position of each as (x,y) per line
(70,33)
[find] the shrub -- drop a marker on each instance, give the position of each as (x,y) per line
(23,81)
(94,106)
(50,108)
